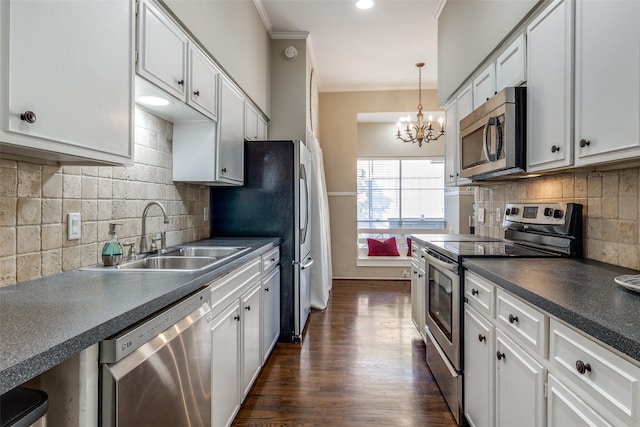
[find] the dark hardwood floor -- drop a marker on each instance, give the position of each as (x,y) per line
(361,363)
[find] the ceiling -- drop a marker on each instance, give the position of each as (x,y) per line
(360,50)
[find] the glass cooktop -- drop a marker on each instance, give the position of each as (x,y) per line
(456,238)
(493,248)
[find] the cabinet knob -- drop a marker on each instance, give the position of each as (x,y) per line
(501,355)
(224,170)
(450,175)
(236,317)
(555,148)
(513,319)
(28,116)
(181,82)
(584,143)
(474,291)
(248,308)
(481,338)
(582,367)
(266,289)
(196,93)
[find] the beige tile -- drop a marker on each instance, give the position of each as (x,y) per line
(8,206)
(89,254)
(118,189)
(29,180)
(629,232)
(71,186)
(52,185)
(594,228)
(610,184)
(8,239)
(610,207)
(104,210)
(628,208)
(610,252)
(89,232)
(105,188)
(90,170)
(580,185)
(629,256)
(8,182)
(629,183)
(71,258)
(611,230)
(51,236)
(7,271)
(594,185)
(28,267)
(27,239)
(29,211)
(594,207)
(51,262)
(89,187)
(72,170)
(51,211)
(89,210)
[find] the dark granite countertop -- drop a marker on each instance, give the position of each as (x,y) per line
(45,321)
(582,293)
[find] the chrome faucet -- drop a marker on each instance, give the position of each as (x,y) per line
(143,239)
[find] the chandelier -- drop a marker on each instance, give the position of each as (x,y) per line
(421,132)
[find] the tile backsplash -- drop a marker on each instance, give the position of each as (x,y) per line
(35,200)
(610,217)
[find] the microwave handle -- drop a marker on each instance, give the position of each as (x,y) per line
(492,157)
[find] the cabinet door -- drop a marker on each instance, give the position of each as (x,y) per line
(549,70)
(565,409)
(162,51)
(270,312)
(225,366)
(484,85)
(262,129)
(479,368)
(450,144)
(250,123)
(251,348)
(71,65)
(231,134)
(415,317)
(464,107)
(519,386)
(203,83)
(511,65)
(607,81)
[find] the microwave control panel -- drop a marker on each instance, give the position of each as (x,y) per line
(535,213)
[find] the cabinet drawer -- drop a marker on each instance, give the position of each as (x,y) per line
(270,259)
(525,324)
(479,293)
(233,285)
(608,378)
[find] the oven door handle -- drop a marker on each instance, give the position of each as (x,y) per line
(436,261)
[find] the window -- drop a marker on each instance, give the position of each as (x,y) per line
(400,194)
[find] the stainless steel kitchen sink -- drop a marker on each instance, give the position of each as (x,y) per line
(209,251)
(181,263)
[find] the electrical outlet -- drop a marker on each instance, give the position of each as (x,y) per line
(498,212)
(206,214)
(74,226)
(480,215)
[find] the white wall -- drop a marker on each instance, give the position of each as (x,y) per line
(379,140)
(233,33)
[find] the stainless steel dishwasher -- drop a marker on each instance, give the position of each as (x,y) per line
(158,373)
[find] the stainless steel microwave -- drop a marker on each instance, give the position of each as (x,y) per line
(493,137)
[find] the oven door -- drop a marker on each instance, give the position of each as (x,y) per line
(443,305)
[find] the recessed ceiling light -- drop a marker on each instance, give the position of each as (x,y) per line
(154,101)
(365,4)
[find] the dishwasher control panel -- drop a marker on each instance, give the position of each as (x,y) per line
(119,346)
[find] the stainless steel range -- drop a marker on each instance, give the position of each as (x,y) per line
(532,230)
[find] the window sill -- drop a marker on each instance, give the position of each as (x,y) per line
(383,261)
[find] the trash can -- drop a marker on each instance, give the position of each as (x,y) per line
(23,407)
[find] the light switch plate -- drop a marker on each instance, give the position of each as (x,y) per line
(74,226)
(481,215)
(498,212)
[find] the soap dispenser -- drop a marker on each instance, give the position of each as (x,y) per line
(112,250)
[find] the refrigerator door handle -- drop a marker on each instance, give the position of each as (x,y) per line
(305,185)
(303,264)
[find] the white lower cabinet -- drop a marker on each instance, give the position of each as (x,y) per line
(250,324)
(418,290)
(565,409)
(270,312)
(520,383)
(238,308)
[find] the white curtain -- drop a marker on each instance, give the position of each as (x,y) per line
(321,273)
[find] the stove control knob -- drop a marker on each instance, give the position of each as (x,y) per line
(507,212)
(514,211)
(558,213)
(548,211)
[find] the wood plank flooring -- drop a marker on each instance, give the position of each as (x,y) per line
(361,363)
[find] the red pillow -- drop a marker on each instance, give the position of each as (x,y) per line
(408,246)
(386,248)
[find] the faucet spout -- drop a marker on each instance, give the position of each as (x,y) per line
(143,239)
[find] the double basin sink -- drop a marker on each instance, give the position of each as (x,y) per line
(183,258)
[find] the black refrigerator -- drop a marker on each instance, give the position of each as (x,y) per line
(274,202)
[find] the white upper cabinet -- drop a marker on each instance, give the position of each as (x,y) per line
(162,51)
(484,85)
(250,123)
(203,83)
(549,94)
(464,107)
(450,144)
(67,81)
(231,134)
(607,81)
(511,65)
